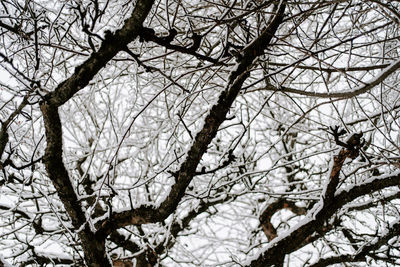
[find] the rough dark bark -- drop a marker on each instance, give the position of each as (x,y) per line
(265,217)
(303,234)
(204,137)
(113,43)
(93,245)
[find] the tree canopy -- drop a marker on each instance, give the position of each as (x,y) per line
(199,133)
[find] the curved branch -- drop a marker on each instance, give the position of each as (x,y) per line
(265,217)
(344,94)
(331,70)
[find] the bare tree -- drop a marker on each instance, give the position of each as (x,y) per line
(199,133)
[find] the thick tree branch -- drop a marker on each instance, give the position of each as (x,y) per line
(203,138)
(314,222)
(112,44)
(327,198)
(265,217)
(317,217)
(163,245)
(93,245)
(55,166)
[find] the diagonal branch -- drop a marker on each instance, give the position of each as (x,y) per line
(327,198)
(113,43)
(215,118)
(315,220)
(266,216)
